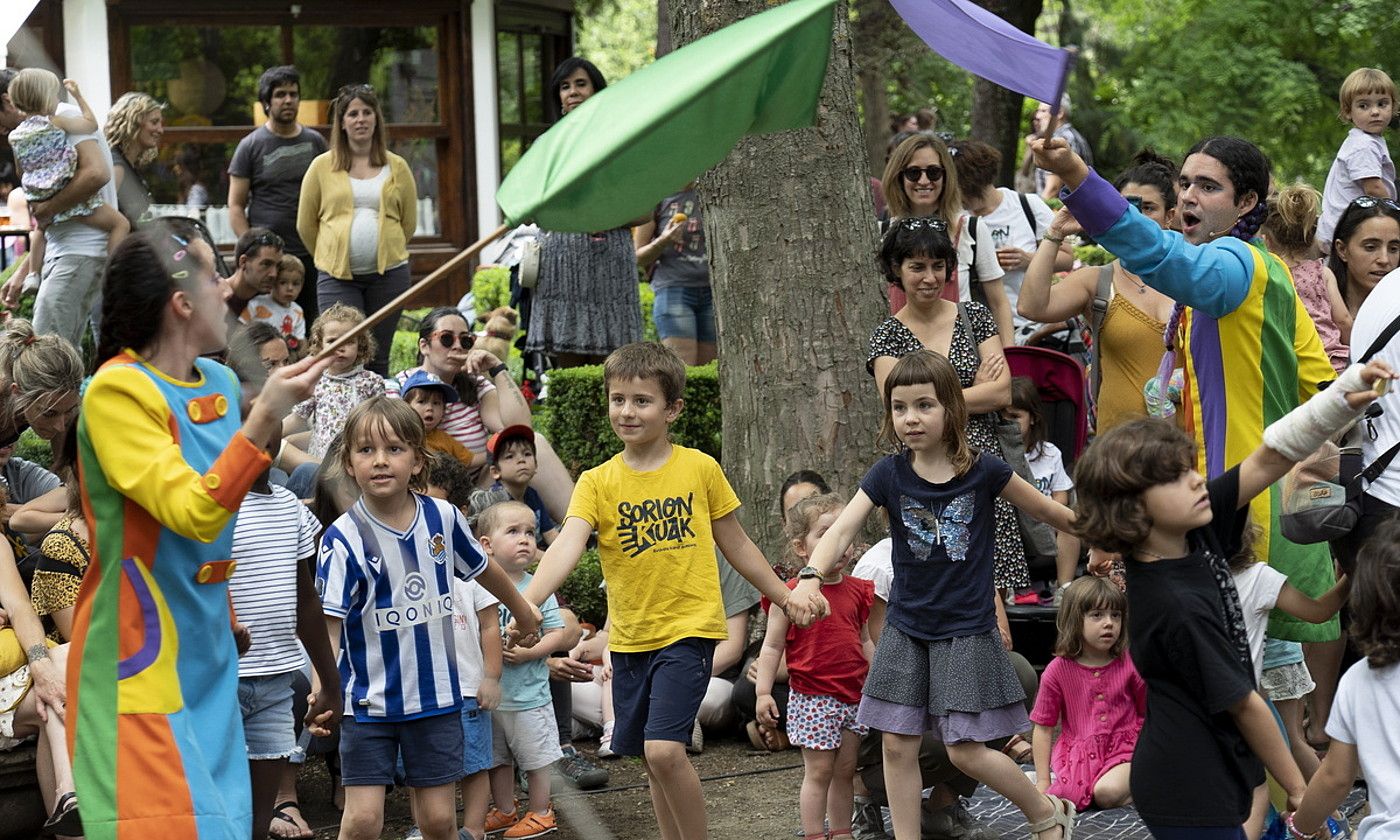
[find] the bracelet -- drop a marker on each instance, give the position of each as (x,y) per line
(37,652)
(1293,830)
(1048,238)
(497,370)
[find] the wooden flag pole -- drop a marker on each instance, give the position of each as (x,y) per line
(1047,131)
(423,285)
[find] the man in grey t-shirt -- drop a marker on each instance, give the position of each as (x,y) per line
(1047,185)
(264,184)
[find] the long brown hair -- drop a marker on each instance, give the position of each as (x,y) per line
(1082,597)
(925,367)
(1375,597)
(340,144)
(949,201)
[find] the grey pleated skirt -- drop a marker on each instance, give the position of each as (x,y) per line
(586,301)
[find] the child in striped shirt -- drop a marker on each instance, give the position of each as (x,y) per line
(385,578)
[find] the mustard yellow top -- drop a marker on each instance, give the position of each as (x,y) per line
(1130,351)
(327,206)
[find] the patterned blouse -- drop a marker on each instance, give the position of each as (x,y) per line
(331,402)
(63,558)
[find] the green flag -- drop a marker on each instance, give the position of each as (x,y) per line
(610,160)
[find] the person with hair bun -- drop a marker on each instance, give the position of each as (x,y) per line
(1289,229)
(1129,334)
(1249,350)
(39,380)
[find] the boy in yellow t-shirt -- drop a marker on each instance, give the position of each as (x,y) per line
(660,510)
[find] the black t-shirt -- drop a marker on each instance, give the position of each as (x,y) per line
(1192,766)
(274,167)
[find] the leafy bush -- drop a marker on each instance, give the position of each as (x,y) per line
(1092,255)
(491,288)
(584,592)
(576,417)
(34,449)
(648,297)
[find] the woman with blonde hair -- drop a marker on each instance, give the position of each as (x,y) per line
(133,129)
(358,211)
(920,181)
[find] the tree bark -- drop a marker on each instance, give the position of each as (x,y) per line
(996,111)
(791,236)
(875,34)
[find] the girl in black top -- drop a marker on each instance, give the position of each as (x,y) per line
(1208,734)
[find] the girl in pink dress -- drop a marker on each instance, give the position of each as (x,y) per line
(1093,692)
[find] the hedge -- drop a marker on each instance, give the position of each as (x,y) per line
(583,590)
(575,417)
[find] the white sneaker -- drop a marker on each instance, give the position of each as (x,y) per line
(697,739)
(605,742)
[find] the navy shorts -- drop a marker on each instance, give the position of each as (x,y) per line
(431,748)
(657,693)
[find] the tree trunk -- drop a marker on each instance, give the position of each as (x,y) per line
(874,33)
(996,111)
(791,236)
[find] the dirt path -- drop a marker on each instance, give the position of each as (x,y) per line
(748,795)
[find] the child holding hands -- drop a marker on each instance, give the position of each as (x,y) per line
(1198,759)
(941,663)
(660,510)
(826,664)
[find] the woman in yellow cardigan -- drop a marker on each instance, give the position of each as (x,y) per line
(359,207)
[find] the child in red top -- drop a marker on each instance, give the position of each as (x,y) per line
(1093,690)
(826,664)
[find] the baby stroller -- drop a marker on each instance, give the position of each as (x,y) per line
(1063,394)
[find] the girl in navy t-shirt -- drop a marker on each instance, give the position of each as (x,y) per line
(941,662)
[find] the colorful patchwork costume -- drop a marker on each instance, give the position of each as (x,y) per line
(154,727)
(1251,355)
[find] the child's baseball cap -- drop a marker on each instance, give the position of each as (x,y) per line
(423,379)
(496,444)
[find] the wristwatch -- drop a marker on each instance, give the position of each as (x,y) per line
(808,572)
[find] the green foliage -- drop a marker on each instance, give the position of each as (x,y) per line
(648,297)
(617,35)
(575,419)
(1092,255)
(491,288)
(583,590)
(34,449)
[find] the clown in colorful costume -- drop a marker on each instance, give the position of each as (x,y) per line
(1251,354)
(154,727)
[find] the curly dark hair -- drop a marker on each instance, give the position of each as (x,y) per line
(1375,597)
(1153,170)
(915,237)
(1113,473)
(1249,169)
(453,477)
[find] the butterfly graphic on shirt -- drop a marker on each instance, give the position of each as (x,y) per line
(950,527)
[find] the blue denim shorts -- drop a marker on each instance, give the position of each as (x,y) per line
(476,737)
(266,704)
(685,312)
(431,748)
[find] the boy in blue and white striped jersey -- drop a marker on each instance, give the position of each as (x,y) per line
(385,578)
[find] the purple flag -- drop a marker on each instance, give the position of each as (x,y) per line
(983,44)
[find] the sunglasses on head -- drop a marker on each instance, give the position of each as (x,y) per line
(1366,202)
(933,173)
(449,339)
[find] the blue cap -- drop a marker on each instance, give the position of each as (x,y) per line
(422,379)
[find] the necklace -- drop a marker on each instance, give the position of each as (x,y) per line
(1141,286)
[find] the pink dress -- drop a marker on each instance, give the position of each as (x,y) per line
(1312,290)
(1100,711)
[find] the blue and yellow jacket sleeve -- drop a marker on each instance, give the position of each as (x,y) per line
(1213,278)
(133,436)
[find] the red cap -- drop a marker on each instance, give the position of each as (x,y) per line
(497,442)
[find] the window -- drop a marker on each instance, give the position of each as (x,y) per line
(207,72)
(529,44)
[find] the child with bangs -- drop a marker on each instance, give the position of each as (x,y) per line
(346,384)
(385,577)
(1093,692)
(1208,734)
(1363,165)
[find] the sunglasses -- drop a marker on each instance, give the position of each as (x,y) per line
(449,339)
(931,222)
(354,90)
(933,173)
(1366,202)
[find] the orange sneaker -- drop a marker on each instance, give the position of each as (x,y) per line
(498,821)
(532,825)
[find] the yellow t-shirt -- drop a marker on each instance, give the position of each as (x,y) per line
(657,548)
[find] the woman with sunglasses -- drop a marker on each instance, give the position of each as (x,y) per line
(1365,248)
(490,399)
(920,181)
(585,304)
(917,257)
(358,210)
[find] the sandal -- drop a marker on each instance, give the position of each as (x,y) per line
(64,820)
(280,815)
(764,739)
(1019,750)
(1063,818)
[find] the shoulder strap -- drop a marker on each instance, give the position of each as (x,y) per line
(1381,341)
(967,328)
(972,242)
(1030,215)
(1373,472)
(1103,293)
